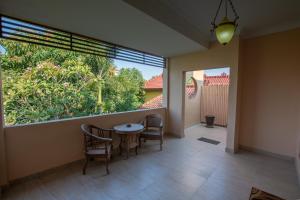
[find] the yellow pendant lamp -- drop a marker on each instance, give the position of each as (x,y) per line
(225,29)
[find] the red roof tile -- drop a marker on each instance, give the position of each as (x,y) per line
(156,82)
(223,79)
(156,102)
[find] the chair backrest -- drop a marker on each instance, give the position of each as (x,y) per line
(89,132)
(154,121)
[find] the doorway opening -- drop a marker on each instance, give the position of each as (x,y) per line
(206,105)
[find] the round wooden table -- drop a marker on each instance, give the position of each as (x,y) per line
(129,134)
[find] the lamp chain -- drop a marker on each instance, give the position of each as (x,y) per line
(234,11)
(213,23)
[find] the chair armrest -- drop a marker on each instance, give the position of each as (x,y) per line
(109,140)
(104,129)
(142,122)
(161,125)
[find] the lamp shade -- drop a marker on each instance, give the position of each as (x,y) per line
(225,31)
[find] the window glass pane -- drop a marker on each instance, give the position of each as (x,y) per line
(43,83)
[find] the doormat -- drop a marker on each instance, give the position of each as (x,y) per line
(210,141)
(257,194)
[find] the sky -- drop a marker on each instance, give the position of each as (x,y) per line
(217,71)
(147,71)
(150,71)
(2,50)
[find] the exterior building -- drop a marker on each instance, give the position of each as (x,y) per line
(222,79)
(154,87)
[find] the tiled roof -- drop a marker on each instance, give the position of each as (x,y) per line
(156,82)
(156,102)
(223,79)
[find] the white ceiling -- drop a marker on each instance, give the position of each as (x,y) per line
(257,17)
(109,20)
(162,27)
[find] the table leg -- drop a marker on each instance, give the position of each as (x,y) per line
(120,146)
(127,146)
(137,142)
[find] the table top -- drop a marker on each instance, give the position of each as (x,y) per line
(128,128)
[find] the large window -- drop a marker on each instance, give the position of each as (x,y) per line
(44,83)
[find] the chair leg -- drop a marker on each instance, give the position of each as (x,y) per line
(140,142)
(136,150)
(85,165)
(161,143)
(106,166)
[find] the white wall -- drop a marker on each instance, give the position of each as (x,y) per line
(192,104)
(215,57)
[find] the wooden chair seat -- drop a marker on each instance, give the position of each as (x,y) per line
(100,152)
(98,144)
(153,129)
(150,133)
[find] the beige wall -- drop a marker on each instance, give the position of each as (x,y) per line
(35,148)
(271,92)
(217,56)
(150,94)
(214,101)
(192,104)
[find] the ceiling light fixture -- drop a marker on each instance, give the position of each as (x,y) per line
(226,28)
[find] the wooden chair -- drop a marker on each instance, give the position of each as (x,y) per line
(153,129)
(98,144)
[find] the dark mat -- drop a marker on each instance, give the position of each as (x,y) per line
(257,194)
(210,141)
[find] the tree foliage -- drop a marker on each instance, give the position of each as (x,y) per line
(124,92)
(42,83)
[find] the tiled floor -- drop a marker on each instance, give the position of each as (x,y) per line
(217,133)
(185,169)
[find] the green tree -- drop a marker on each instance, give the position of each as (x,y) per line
(19,56)
(48,92)
(42,83)
(103,69)
(124,92)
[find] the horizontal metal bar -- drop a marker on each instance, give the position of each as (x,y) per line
(29,39)
(75,37)
(37,34)
(109,56)
(144,59)
(37,28)
(108,46)
(141,55)
(83,36)
(112,53)
(34,42)
(85,52)
(75,42)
